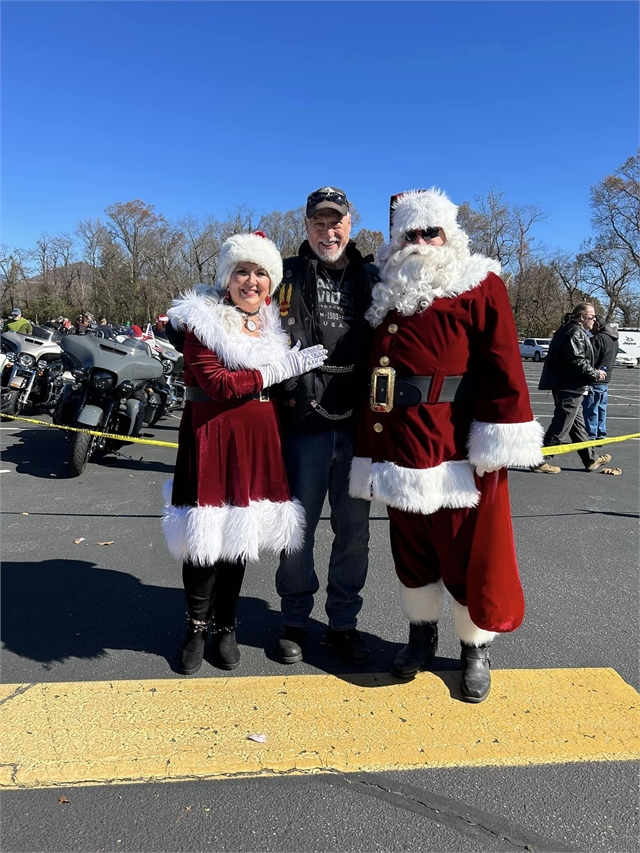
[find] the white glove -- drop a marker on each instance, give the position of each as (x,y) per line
(294,363)
(481,470)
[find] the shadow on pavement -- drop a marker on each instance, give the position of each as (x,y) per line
(45,454)
(54,610)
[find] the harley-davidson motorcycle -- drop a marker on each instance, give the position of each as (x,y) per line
(112,392)
(33,373)
(171,390)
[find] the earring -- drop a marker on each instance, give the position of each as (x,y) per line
(267,301)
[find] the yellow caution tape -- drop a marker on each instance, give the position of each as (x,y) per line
(125,438)
(555,450)
(596,442)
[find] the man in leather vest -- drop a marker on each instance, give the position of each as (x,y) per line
(324,295)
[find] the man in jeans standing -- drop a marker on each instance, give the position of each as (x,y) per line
(594,405)
(568,369)
(324,294)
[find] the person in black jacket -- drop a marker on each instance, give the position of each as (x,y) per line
(568,368)
(594,405)
(325,292)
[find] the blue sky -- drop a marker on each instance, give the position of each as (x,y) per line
(197,107)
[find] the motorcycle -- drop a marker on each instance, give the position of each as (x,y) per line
(109,394)
(33,374)
(172,389)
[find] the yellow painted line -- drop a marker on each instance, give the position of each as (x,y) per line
(170,730)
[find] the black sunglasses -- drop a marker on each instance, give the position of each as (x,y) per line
(338,198)
(426,233)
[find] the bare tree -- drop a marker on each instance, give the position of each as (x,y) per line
(368,241)
(615,210)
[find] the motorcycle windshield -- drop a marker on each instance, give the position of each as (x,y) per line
(126,362)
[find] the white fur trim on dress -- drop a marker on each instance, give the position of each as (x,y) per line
(466,630)
(424,490)
(218,326)
(422,604)
(493,446)
(204,534)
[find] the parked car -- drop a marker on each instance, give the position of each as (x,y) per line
(535,348)
(623,359)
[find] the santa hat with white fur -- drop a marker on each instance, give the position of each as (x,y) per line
(253,248)
(424,209)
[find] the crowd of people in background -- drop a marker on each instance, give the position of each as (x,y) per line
(86,323)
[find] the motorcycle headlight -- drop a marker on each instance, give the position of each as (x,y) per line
(26,360)
(11,357)
(167,366)
(42,364)
(102,380)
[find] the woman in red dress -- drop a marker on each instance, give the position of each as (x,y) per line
(229,497)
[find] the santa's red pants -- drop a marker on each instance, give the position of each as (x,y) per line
(426,548)
(471,549)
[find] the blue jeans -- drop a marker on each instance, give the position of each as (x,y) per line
(316,463)
(594,406)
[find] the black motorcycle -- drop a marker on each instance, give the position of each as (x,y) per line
(110,393)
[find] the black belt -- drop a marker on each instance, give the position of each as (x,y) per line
(195,394)
(387,390)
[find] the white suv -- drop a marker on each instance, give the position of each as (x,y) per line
(535,348)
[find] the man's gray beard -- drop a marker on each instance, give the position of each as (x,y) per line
(413,277)
(335,256)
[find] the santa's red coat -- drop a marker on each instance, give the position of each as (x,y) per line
(422,458)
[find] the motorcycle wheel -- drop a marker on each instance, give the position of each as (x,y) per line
(11,406)
(80,452)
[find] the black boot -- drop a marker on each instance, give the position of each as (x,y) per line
(291,644)
(421,648)
(224,648)
(475,681)
(193,646)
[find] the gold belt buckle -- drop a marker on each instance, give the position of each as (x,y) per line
(383,380)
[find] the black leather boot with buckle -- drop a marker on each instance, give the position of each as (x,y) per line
(225,653)
(475,681)
(419,651)
(193,646)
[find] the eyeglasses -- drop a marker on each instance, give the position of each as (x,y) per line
(426,233)
(327,195)
(589,316)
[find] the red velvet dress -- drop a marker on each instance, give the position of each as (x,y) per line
(229,495)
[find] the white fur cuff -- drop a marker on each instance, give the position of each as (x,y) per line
(422,604)
(424,490)
(493,446)
(466,631)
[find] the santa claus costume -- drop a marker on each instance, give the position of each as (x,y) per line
(229,497)
(449,412)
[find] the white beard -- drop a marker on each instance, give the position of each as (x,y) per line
(413,277)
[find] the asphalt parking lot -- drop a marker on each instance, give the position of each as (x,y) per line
(75,610)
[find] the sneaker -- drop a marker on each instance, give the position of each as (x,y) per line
(291,644)
(545,468)
(599,462)
(349,644)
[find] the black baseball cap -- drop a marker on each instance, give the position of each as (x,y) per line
(331,198)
